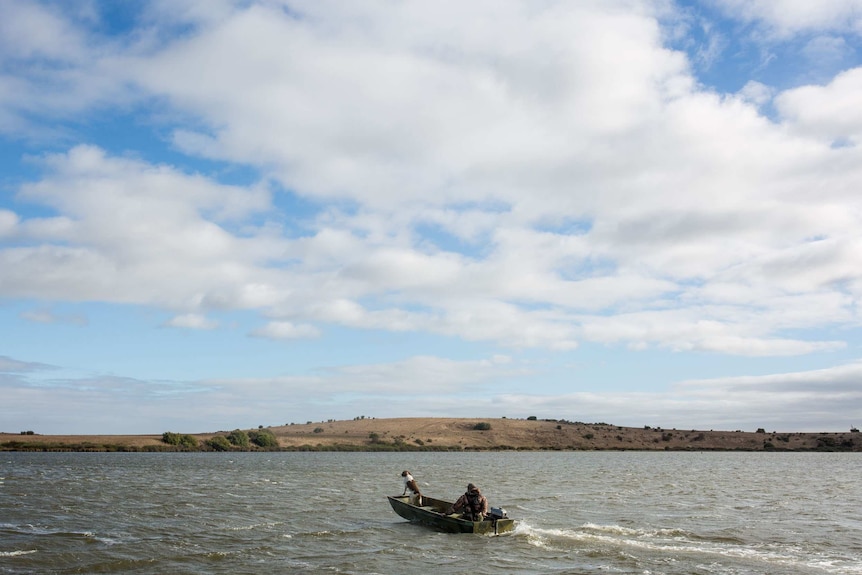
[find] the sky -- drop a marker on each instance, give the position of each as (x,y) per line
(222,214)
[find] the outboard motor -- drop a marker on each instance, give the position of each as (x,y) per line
(498,513)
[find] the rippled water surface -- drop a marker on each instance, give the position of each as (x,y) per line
(578,512)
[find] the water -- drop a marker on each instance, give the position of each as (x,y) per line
(580,513)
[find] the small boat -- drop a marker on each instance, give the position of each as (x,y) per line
(433,513)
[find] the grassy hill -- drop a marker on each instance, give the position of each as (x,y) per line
(454,434)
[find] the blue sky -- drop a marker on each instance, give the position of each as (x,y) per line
(219,214)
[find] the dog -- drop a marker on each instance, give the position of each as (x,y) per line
(413,487)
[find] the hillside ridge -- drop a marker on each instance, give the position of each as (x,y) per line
(456,434)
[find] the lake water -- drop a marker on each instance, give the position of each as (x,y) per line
(578,512)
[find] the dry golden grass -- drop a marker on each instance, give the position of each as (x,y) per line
(455,433)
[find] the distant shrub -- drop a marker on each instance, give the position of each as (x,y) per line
(374,437)
(180,440)
(588,436)
(482,426)
(219,443)
(760,430)
(263,438)
(239,438)
(823,442)
(171,438)
(32,433)
(318,430)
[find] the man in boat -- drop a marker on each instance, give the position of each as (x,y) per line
(473,503)
(413,487)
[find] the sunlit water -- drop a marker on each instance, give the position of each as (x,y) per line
(578,512)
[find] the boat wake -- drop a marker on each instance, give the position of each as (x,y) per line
(658,545)
(16,553)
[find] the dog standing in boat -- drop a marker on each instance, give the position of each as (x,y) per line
(413,487)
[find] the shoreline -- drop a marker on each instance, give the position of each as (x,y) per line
(452,434)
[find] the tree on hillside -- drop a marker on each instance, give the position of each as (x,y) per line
(263,438)
(239,438)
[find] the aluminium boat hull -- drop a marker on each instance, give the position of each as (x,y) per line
(433,513)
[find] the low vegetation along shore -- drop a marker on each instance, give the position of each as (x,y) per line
(443,434)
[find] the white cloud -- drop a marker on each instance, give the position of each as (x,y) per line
(12,365)
(50,317)
(192,321)
(54,69)
(828,112)
(29,30)
(286,330)
(734,331)
(840,378)
(786,17)
(805,400)
(756,93)
(8,223)
(417,376)
(133,232)
(827,399)
(827,49)
(345,103)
